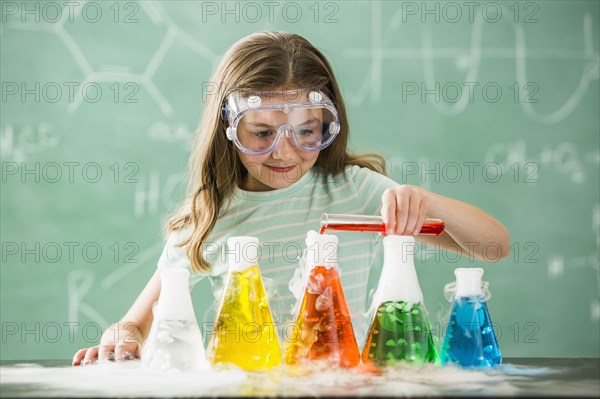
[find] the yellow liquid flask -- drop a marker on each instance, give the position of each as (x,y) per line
(175,341)
(400,331)
(323,328)
(244,333)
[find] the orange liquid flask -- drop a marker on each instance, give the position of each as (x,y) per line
(244,333)
(323,328)
(400,331)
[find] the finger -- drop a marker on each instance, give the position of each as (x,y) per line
(388,210)
(90,356)
(138,351)
(126,352)
(421,219)
(120,350)
(106,353)
(78,356)
(402,207)
(413,216)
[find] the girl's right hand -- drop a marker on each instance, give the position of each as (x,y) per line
(121,341)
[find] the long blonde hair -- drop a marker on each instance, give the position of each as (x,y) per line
(260,61)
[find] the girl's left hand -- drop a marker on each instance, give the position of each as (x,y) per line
(404,209)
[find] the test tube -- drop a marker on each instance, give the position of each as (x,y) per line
(374,224)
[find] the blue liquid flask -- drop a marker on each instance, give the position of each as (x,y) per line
(470,340)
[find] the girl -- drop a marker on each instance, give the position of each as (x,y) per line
(270,156)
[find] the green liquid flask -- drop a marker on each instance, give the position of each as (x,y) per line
(244,333)
(400,331)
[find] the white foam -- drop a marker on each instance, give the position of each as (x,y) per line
(129,379)
(121,379)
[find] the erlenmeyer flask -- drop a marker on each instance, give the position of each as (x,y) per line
(174,341)
(470,340)
(400,330)
(323,328)
(244,333)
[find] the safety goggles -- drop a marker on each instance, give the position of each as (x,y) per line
(258,121)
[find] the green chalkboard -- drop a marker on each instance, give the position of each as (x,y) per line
(491,103)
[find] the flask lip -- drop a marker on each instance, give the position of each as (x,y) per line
(174,271)
(468,281)
(398,240)
(472,272)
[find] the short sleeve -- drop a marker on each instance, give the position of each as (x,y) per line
(174,256)
(370,186)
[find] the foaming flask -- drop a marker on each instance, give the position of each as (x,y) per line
(470,340)
(244,333)
(174,341)
(323,330)
(400,331)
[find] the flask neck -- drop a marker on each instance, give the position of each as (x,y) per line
(243,253)
(174,301)
(321,250)
(398,281)
(468,282)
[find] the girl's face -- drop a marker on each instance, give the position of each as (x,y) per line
(278,169)
(286,164)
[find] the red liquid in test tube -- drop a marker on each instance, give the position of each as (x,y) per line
(372,224)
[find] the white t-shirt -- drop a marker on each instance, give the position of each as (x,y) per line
(280,219)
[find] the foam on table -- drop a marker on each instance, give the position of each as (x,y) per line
(130,380)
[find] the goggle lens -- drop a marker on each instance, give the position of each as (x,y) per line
(310,129)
